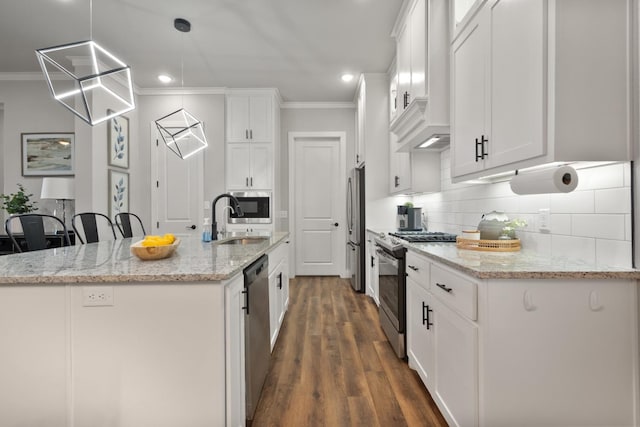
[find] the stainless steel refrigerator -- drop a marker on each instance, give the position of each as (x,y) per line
(356,228)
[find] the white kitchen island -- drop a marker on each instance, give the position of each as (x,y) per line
(166,350)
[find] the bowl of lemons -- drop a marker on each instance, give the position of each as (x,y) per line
(155,247)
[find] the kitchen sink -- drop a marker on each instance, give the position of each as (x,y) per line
(244,240)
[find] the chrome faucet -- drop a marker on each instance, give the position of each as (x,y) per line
(235,206)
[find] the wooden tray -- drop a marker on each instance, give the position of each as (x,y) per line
(154,252)
(488,245)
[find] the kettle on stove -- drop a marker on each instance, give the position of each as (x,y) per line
(492,224)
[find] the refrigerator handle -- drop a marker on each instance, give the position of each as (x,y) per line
(349,206)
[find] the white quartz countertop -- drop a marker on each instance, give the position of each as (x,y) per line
(523,264)
(112,261)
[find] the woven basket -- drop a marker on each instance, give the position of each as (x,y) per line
(489,245)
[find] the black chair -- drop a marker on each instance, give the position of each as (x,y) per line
(89,221)
(123,221)
(33,231)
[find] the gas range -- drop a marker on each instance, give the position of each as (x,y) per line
(393,242)
(424,236)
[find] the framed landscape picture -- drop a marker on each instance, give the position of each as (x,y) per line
(118,141)
(48,154)
(118,192)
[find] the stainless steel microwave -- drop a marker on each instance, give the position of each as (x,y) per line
(256,207)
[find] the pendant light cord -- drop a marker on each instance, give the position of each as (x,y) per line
(90,19)
(182,68)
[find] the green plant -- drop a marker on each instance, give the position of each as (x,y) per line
(509,228)
(18,203)
(408,204)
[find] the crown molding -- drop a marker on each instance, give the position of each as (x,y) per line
(318,105)
(181,91)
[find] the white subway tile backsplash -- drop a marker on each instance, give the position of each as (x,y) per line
(573,247)
(608,176)
(613,200)
(592,223)
(599,226)
(613,253)
(575,202)
(561,224)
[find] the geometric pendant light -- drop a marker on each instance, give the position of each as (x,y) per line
(108,81)
(181,132)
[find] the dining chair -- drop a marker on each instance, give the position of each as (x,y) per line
(123,221)
(94,225)
(34,231)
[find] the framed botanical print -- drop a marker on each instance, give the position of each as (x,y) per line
(118,137)
(48,154)
(118,192)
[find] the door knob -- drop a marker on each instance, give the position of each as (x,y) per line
(192,227)
(335,224)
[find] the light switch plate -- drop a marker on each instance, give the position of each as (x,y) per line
(544,220)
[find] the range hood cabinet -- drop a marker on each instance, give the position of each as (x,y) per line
(413,127)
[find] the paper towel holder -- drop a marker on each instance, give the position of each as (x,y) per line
(551,179)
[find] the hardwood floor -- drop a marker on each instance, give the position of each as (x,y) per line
(332,366)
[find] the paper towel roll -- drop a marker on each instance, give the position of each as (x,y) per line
(562,179)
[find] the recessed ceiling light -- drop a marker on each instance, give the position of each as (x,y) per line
(164,78)
(347,77)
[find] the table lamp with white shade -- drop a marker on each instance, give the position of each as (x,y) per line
(61,190)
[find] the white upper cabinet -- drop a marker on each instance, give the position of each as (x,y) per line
(249,166)
(422,60)
(361,122)
(535,82)
(249,118)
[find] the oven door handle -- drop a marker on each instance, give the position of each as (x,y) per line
(390,259)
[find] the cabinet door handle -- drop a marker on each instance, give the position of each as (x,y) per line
(485,153)
(246,300)
(397,181)
(425,315)
(372,262)
(251,181)
(250,133)
(280,281)
(413,267)
(246,181)
(444,287)
(246,134)
(406,99)
(478,144)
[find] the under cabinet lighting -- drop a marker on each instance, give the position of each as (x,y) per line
(429,142)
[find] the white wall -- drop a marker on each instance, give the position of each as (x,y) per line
(593,223)
(28,107)
(310,120)
(207,108)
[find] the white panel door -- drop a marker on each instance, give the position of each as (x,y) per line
(178,191)
(318,206)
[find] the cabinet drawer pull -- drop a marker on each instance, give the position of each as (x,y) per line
(444,287)
(413,267)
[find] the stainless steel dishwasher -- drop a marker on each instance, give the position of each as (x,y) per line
(257,347)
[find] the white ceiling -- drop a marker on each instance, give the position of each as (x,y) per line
(300,47)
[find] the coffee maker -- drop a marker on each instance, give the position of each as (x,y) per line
(402,218)
(409,219)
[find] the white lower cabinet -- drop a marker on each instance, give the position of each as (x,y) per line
(278,289)
(541,352)
(235,379)
(371,263)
